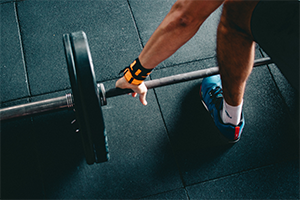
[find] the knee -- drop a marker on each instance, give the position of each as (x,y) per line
(229,29)
(236,17)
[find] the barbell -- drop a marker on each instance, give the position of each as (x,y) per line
(87,96)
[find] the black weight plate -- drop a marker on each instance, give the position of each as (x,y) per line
(87,144)
(89,98)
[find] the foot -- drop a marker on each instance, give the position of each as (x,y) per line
(212,98)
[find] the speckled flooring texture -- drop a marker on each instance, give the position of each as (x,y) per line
(169,149)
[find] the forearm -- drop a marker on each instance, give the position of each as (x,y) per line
(165,41)
(179,26)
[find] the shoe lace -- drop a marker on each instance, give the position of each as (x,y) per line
(216,95)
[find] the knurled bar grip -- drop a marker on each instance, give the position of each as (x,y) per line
(67,100)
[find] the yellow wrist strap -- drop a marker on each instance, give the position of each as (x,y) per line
(135,74)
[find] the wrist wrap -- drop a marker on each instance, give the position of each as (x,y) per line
(135,74)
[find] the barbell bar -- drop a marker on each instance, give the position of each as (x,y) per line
(87,97)
(179,78)
(66,101)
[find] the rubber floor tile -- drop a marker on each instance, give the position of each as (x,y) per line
(148,16)
(13,75)
(5,1)
(279,181)
(176,194)
(141,159)
(202,155)
(20,168)
(111,33)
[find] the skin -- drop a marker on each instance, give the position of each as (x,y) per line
(180,25)
(235,46)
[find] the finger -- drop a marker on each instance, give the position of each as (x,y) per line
(143,99)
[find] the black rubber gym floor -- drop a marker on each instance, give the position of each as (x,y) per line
(169,149)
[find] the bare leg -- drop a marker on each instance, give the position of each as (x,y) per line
(235,48)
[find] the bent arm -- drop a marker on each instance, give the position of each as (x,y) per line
(179,26)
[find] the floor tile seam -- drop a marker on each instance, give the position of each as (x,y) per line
(188,62)
(51,92)
(110,79)
(242,172)
(173,152)
(187,193)
(172,190)
(135,25)
(285,105)
(55,91)
(230,175)
(6,2)
(22,48)
(168,135)
(14,100)
(30,98)
(115,78)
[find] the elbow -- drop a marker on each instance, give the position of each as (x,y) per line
(185,20)
(181,17)
(180,21)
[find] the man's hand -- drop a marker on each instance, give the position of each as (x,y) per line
(140,89)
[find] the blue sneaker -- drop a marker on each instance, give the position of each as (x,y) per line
(211,94)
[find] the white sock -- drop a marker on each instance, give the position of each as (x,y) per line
(231,114)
